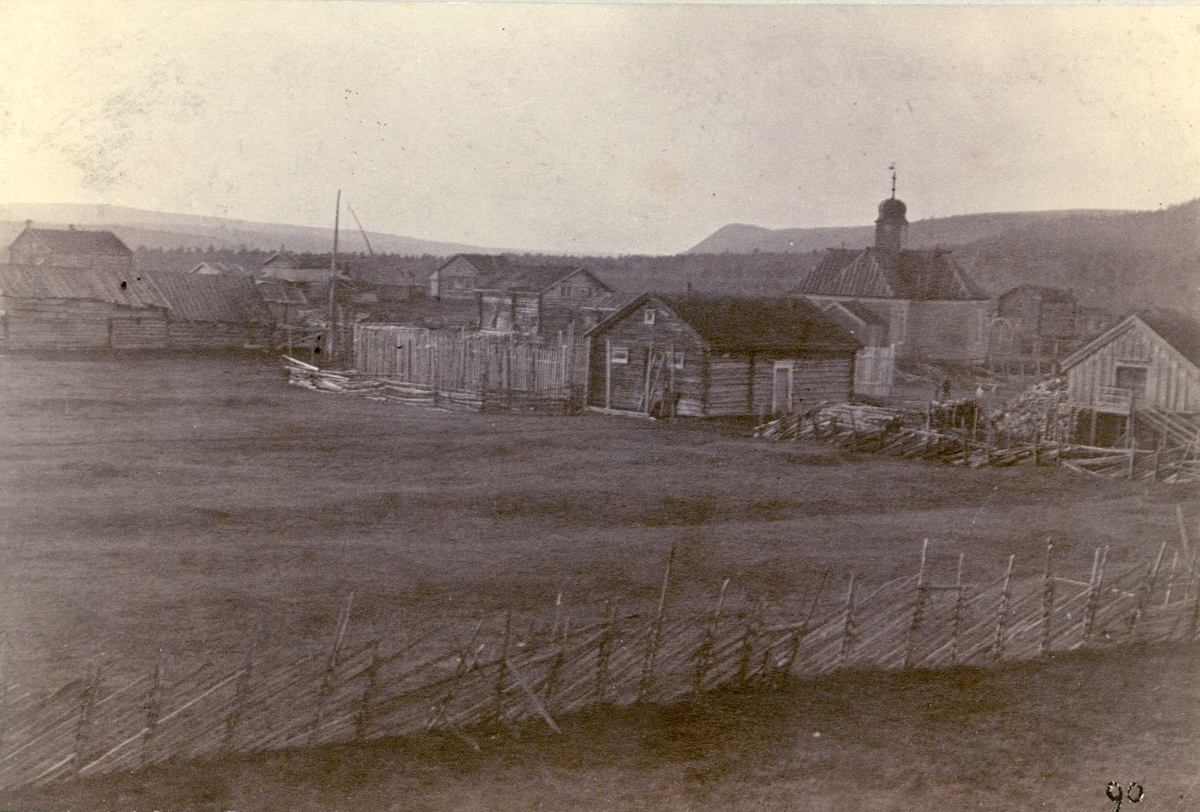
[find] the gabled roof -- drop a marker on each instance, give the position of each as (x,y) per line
(1180,330)
(217,297)
(533,278)
(281,260)
(1043,292)
(231,268)
(75,241)
(127,288)
(607,301)
(867,273)
(485,264)
(734,324)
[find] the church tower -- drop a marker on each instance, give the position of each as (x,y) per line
(891,228)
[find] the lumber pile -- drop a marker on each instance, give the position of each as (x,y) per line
(1040,409)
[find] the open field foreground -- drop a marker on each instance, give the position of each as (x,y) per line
(1029,736)
(182,506)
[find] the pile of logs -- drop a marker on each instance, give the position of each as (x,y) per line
(907,435)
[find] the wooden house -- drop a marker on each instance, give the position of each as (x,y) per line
(44,308)
(1146,368)
(875,363)
(717,357)
(1033,325)
(536,299)
(212,311)
(70,248)
(933,311)
(461,275)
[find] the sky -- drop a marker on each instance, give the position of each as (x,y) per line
(595,128)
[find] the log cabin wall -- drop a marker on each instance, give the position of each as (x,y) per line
(73,324)
(622,385)
(187,335)
(821,377)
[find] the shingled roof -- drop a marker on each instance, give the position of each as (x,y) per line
(530,278)
(866,273)
(211,298)
(735,324)
(485,264)
(125,288)
(1181,330)
(75,241)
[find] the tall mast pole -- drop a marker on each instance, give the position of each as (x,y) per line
(333,282)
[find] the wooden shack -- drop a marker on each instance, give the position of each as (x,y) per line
(703,356)
(536,299)
(45,308)
(1145,371)
(70,248)
(212,311)
(460,276)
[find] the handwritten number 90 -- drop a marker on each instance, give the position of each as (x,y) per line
(1117,795)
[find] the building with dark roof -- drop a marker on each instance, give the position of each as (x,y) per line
(69,248)
(708,356)
(461,275)
(932,309)
(536,299)
(1148,365)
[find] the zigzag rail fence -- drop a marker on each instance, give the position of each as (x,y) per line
(499,671)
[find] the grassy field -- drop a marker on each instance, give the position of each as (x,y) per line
(154,503)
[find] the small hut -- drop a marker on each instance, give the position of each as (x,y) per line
(717,357)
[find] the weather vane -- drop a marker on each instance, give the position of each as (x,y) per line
(893,168)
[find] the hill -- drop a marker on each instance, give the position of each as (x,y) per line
(960,229)
(137,227)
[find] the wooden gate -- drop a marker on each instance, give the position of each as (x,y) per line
(874,368)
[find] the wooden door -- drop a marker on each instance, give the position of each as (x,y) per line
(781,391)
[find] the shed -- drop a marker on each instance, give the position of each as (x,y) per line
(707,356)
(536,299)
(212,311)
(47,308)
(459,276)
(70,248)
(1147,366)
(285,300)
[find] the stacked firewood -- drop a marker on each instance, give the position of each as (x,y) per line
(1038,411)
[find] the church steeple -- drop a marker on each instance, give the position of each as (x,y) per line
(891,227)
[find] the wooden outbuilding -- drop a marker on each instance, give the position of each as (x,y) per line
(536,299)
(45,308)
(70,248)
(704,356)
(1144,371)
(461,275)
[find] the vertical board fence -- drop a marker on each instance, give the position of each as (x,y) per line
(498,369)
(535,668)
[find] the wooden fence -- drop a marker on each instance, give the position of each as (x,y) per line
(455,361)
(535,668)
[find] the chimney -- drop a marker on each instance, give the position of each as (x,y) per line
(28,224)
(71,227)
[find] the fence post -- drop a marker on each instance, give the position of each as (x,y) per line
(918,611)
(746,655)
(848,623)
(240,697)
(498,696)
(1002,615)
(604,651)
(1047,603)
(959,605)
(1093,604)
(370,693)
(655,640)
(798,637)
(83,728)
(3,690)
(704,653)
(330,675)
(153,710)
(1143,595)
(556,667)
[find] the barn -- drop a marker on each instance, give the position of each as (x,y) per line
(79,309)
(536,299)
(704,356)
(1143,372)
(212,311)
(70,248)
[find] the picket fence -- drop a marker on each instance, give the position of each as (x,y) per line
(516,668)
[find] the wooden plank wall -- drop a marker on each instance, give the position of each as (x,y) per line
(821,378)
(1172,384)
(139,331)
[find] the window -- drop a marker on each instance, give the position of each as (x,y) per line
(648,316)
(620,355)
(677,361)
